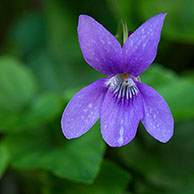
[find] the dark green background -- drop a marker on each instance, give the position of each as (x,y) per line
(42,67)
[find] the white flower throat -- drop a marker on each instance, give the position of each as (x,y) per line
(123,86)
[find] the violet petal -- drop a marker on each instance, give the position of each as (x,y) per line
(140,48)
(158,119)
(119,120)
(83,110)
(100,48)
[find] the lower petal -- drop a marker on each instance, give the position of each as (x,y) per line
(83,110)
(158,119)
(120,119)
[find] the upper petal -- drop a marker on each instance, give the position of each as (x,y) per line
(100,48)
(158,119)
(83,110)
(120,119)
(140,48)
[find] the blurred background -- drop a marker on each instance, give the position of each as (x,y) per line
(42,67)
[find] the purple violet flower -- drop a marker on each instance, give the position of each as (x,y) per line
(121,100)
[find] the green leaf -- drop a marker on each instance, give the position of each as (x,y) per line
(111,179)
(57,75)
(77,159)
(163,168)
(43,109)
(17,85)
(179,22)
(4,159)
(20,107)
(54,75)
(158,76)
(179,96)
(178,91)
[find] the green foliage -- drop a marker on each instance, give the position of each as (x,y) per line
(17,85)
(4,159)
(111,179)
(178,91)
(77,160)
(20,107)
(162,166)
(43,109)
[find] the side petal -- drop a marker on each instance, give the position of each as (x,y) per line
(83,110)
(140,48)
(100,48)
(120,119)
(158,119)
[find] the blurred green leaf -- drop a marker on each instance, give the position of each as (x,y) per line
(20,107)
(178,91)
(43,109)
(111,179)
(17,85)
(158,76)
(179,96)
(77,159)
(163,168)
(53,74)
(179,22)
(4,159)
(58,75)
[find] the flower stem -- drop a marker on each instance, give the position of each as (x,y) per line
(125,30)
(122,32)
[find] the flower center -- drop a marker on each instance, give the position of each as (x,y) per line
(123,86)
